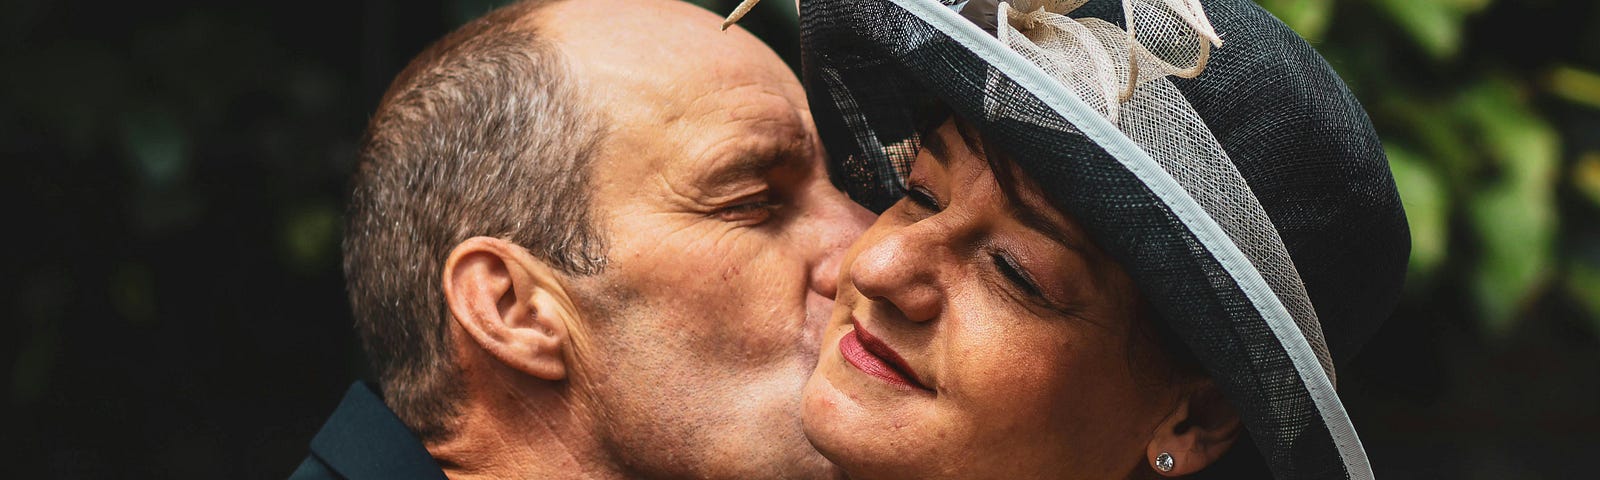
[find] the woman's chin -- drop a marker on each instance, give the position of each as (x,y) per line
(820,407)
(819,412)
(856,430)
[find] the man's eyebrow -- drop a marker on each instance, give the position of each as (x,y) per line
(752,163)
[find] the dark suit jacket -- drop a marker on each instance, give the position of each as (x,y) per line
(365,440)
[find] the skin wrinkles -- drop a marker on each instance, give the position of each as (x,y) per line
(543,422)
(739,158)
(739,154)
(747,154)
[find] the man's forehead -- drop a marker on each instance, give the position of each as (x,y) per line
(658,45)
(666,76)
(710,139)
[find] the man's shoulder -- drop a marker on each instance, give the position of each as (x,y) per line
(312,468)
(364,439)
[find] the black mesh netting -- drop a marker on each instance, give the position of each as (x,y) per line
(1297,136)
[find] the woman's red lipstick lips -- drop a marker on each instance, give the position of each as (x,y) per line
(870,355)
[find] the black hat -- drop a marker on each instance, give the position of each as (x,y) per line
(1252,204)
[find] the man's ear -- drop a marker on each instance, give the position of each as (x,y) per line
(510,304)
(1200,429)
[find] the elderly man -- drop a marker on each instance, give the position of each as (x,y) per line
(588,239)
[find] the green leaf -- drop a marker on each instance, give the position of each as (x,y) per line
(1434,25)
(1309,18)
(1586,176)
(1427,207)
(1514,215)
(1439,136)
(1576,85)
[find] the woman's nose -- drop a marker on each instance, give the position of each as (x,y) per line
(901,268)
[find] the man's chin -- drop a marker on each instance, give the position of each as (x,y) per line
(794,456)
(818,467)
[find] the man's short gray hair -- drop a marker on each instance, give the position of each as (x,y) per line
(481,135)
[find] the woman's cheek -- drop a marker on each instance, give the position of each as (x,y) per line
(1009,366)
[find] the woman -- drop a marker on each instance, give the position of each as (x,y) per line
(979,332)
(1083,268)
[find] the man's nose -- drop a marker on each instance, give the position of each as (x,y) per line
(840,222)
(899,268)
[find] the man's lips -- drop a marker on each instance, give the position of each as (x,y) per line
(870,355)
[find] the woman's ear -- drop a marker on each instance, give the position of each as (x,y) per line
(510,304)
(1200,429)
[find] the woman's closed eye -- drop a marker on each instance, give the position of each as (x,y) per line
(1017,275)
(922,197)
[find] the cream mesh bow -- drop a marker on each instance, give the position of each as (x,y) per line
(1164,37)
(1179,41)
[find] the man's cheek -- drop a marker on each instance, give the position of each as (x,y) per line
(697,250)
(708,238)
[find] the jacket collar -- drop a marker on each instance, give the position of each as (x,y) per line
(364,439)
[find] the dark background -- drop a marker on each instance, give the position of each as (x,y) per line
(177,309)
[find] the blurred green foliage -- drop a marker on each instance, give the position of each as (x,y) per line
(1468,102)
(179,309)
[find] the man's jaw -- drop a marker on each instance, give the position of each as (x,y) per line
(819,311)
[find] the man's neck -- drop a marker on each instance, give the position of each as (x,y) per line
(517,430)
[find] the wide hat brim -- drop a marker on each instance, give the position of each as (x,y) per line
(875,69)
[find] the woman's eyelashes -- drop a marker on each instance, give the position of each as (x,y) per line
(1017,275)
(921,197)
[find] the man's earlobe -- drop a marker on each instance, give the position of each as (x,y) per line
(1198,432)
(510,304)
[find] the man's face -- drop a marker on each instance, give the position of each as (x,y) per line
(723,236)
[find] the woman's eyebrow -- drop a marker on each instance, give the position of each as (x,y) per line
(934,142)
(1028,213)
(971,137)
(940,150)
(1030,217)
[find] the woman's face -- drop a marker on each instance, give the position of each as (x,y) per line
(982,335)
